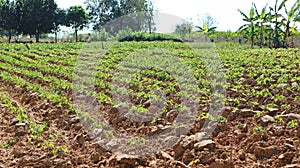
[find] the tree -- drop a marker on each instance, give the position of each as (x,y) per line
(77,18)
(205,29)
(9,16)
(269,31)
(250,24)
(184,28)
(37,17)
(209,20)
(59,20)
(276,25)
(291,16)
(100,11)
(208,24)
(262,19)
(149,16)
(134,14)
(276,15)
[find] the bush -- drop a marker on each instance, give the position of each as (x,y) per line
(124,33)
(101,35)
(228,36)
(141,36)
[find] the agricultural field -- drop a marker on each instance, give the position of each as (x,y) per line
(213,105)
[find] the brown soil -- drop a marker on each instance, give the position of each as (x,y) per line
(232,144)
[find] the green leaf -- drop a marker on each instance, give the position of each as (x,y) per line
(282,5)
(252,14)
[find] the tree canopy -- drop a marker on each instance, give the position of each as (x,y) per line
(134,14)
(77,18)
(9,16)
(37,17)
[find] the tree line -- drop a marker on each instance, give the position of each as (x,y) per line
(272,26)
(36,17)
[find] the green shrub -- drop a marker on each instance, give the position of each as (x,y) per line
(124,33)
(101,35)
(141,36)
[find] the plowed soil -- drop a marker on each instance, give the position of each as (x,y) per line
(245,140)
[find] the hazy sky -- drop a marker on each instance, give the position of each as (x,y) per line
(224,11)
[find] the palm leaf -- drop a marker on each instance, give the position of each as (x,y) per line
(198,27)
(212,29)
(256,11)
(243,27)
(297,19)
(244,15)
(264,12)
(251,14)
(282,4)
(293,10)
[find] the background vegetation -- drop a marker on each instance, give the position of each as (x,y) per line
(272,26)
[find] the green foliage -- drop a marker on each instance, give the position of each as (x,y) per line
(101,35)
(9,16)
(37,17)
(227,36)
(77,18)
(9,143)
(184,29)
(292,123)
(259,130)
(36,129)
(279,119)
(116,15)
(149,37)
(211,117)
(272,25)
(136,141)
(250,25)
(124,33)
(208,25)
(60,149)
(32,17)
(262,19)
(60,19)
(48,71)
(206,30)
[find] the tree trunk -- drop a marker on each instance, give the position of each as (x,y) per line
(76,35)
(149,23)
(55,38)
(252,36)
(150,26)
(270,40)
(286,34)
(9,36)
(37,36)
(276,40)
(261,36)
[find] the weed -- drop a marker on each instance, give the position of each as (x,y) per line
(260,130)
(292,124)
(135,141)
(60,149)
(211,117)
(279,119)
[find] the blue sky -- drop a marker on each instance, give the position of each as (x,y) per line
(224,11)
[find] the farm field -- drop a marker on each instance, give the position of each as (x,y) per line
(55,99)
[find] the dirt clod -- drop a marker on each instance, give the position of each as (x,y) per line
(211,145)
